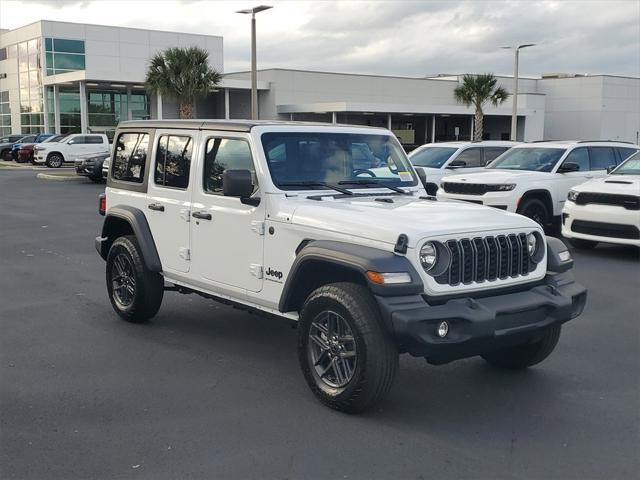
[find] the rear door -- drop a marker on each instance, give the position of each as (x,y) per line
(95,144)
(168,198)
(472,157)
(564,181)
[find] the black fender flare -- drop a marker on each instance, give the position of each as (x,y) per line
(358,258)
(555,246)
(140,227)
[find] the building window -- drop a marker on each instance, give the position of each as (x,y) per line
(5,114)
(63,55)
(30,86)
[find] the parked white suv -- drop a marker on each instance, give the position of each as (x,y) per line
(605,209)
(534,179)
(54,154)
(277,218)
(437,160)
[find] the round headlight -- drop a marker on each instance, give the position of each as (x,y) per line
(532,244)
(428,256)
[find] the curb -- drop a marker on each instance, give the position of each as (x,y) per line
(60,178)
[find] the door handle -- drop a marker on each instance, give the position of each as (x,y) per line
(156,206)
(201,215)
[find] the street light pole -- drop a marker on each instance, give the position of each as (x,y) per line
(254,68)
(514,111)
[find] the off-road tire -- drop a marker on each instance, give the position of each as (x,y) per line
(583,244)
(54,160)
(149,286)
(377,355)
(536,210)
(525,355)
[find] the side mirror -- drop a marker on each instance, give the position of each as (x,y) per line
(71,142)
(568,167)
(611,168)
(457,164)
(237,183)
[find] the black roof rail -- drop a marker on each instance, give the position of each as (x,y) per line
(610,141)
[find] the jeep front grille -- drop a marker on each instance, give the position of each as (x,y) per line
(485,259)
(465,188)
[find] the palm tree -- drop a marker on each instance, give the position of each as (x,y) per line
(477,90)
(183,74)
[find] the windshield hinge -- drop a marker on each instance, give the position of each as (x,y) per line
(258,227)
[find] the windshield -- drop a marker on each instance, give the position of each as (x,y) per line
(433,157)
(313,158)
(631,166)
(533,159)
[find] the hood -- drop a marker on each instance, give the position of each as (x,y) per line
(365,217)
(494,176)
(617,184)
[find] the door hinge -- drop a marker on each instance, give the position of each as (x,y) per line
(184,253)
(256,270)
(185,214)
(258,227)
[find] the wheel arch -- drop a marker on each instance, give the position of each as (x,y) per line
(323,261)
(542,195)
(125,220)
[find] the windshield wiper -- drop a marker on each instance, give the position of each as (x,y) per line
(372,182)
(316,184)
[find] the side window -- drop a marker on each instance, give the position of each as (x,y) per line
(625,153)
(131,151)
(79,140)
(602,157)
(93,139)
(225,154)
(471,156)
(173,161)
(491,153)
(579,156)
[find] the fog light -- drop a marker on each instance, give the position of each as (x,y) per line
(443,329)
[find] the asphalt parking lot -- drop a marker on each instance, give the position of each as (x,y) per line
(205,391)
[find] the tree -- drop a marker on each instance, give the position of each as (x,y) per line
(477,90)
(183,74)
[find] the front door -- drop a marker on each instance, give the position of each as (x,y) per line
(565,181)
(168,198)
(227,235)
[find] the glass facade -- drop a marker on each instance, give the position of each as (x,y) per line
(30,85)
(69,109)
(108,107)
(63,55)
(5,114)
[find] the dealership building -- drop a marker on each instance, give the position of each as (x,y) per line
(68,77)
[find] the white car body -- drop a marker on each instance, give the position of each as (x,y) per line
(476,156)
(72,147)
(605,209)
(552,186)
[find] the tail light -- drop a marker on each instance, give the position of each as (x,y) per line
(102,204)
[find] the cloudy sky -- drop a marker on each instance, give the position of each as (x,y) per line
(384,37)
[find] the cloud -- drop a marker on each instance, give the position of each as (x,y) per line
(387,37)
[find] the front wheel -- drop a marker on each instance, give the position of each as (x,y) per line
(527,354)
(55,160)
(134,291)
(346,354)
(536,210)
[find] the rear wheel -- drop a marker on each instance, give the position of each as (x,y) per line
(55,160)
(527,354)
(536,210)
(134,291)
(583,244)
(347,357)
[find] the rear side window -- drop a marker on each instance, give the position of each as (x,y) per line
(173,161)
(579,156)
(472,157)
(93,139)
(131,151)
(602,157)
(225,154)
(625,153)
(491,153)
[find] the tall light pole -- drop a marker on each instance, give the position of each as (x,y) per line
(514,111)
(254,69)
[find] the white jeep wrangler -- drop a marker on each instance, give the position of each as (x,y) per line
(276,218)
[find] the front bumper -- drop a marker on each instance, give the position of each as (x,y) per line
(601,223)
(481,324)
